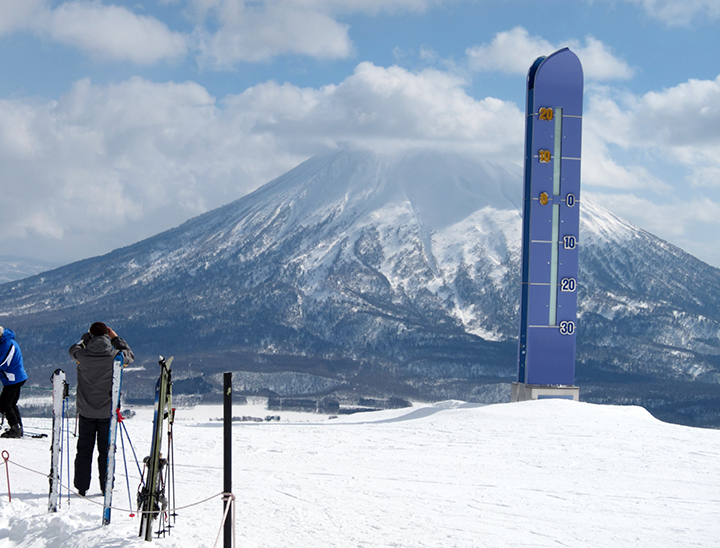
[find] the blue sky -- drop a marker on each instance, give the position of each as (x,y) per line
(121,119)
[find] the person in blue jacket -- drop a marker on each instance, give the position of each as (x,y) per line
(13,376)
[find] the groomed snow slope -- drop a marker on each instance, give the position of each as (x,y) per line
(547,473)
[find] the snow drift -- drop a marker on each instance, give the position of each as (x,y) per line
(543,473)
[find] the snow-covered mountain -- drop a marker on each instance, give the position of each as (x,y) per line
(16,268)
(386,272)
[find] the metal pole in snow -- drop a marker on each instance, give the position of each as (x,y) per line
(227,461)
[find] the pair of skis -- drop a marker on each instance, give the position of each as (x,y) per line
(152,496)
(59,410)
(60,407)
(112,438)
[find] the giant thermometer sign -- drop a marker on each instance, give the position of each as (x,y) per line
(548,312)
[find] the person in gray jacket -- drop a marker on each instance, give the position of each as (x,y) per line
(94,354)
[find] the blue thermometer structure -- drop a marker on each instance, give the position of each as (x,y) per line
(551,221)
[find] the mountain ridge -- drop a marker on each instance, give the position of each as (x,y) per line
(16,268)
(399,273)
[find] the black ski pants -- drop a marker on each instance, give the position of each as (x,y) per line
(90,431)
(8,403)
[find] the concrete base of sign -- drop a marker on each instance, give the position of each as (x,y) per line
(525,392)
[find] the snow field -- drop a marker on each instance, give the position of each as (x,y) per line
(545,473)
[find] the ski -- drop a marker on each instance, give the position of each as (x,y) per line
(59,398)
(151,495)
(112,438)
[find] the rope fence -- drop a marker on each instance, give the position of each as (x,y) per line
(132,513)
(227,496)
(7,460)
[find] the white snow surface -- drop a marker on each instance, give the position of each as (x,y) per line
(542,473)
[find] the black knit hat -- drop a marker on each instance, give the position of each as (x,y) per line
(98,329)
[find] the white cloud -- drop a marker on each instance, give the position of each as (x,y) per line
(643,212)
(687,115)
(601,170)
(655,160)
(511,51)
(112,32)
(369,6)
(599,61)
(377,106)
(257,31)
(108,165)
(515,50)
(603,122)
(21,14)
(680,12)
(106,32)
(226,32)
(202,7)
(257,35)
(679,125)
(690,224)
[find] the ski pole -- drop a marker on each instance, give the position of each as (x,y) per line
(6,456)
(127,476)
(63,449)
(137,462)
(67,448)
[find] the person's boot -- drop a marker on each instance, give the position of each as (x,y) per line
(15,431)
